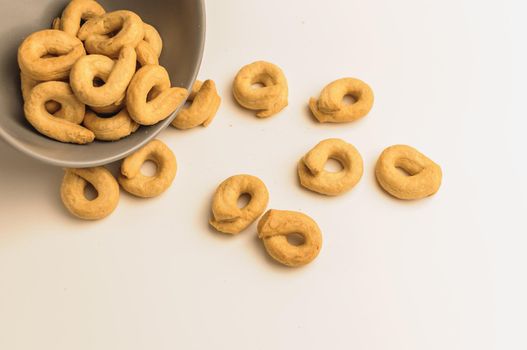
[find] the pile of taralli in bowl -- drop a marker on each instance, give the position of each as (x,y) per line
(60,95)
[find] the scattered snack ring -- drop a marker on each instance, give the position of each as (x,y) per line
(205,103)
(72,192)
(423,179)
(314,177)
(77,11)
(227,217)
(166,100)
(95,32)
(330,106)
(64,48)
(267,100)
(47,124)
(140,185)
(276,225)
(116,77)
(110,128)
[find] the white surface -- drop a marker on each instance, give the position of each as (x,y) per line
(442,273)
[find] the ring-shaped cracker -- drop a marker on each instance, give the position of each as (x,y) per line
(313,176)
(47,124)
(205,102)
(227,217)
(276,225)
(110,128)
(422,178)
(49,54)
(330,106)
(116,76)
(267,100)
(27,84)
(144,186)
(95,32)
(166,100)
(72,192)
(77,11)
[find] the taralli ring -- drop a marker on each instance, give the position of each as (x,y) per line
(72,192)
(205,103)
(116,76)
(166,100)
(64,48)
(269,99)
(227,217)
(330,106)
(110,128)
(47,124)
(128,25)
(423,177)
(140,185)
(313,176)
(27,84)
(77,11)
(276,225)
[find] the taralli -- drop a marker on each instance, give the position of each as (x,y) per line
(313,176)
(423,179)
(166,100)
(77,11)
(110,128)
(149,49)
(330,106)
(116,76)
(269,99)
(33,55)
(227,217)
(205,103)
(27,84)
(47,124)
(140,185)
(72,192)
(276,225)
(127,24)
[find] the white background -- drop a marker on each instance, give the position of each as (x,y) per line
(447,272)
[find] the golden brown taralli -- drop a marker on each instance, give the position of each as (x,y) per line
(276,225)
(110,128)
(33,54)
(227,217)
(27,84)
(267,100)
(314,177)
(423,177)
(205,102)
(141,185)
(72,192)
(330,106)
(77,11)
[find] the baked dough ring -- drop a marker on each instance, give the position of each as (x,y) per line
(27,84)
(47,124)
(72,192)
(75,12)
(140,185)
(226,216)
(423,179)
(205,103)
(116,75)
(313,176)
(149,49)
(276,225)
(127,24)
(167,99)
(269,99)
(330,108)
(110,128)
(64,48)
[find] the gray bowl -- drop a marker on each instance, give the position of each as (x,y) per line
(181,24)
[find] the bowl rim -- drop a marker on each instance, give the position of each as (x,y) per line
(15,143)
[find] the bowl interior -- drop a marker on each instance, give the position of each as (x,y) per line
(181,24)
